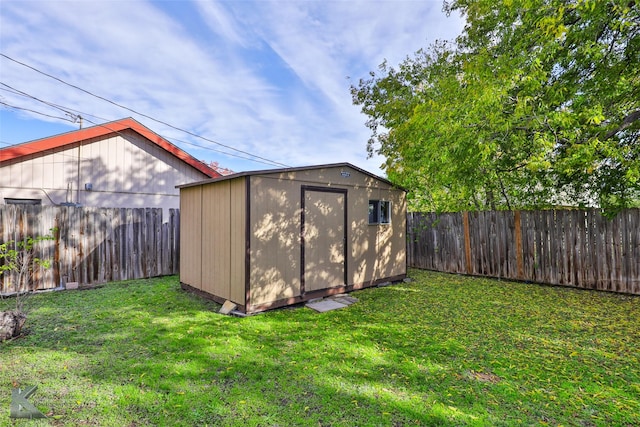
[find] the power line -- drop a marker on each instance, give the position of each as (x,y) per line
(35,112)
(106,126)
(84,115)
(15,91)
(11,144)
(67,111)
(141,114)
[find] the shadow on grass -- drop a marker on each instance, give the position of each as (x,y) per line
(442,351)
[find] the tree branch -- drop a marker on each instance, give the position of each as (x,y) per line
(628,121)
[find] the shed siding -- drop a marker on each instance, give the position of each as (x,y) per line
(238,239)
(274,239)
(262,213)
(191,224)
(222,242)
(364,239)
(215,239)
(391,239)
(374,252)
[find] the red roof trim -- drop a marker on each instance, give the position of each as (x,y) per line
(74,137)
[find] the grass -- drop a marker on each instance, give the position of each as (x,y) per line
(443,350)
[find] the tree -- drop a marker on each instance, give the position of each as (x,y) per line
(536,104)
(221,170)
(18,258)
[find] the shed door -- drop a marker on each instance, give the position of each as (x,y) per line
(324,238)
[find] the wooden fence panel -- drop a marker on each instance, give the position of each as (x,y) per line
(563,247)
(436,242)
(93,245)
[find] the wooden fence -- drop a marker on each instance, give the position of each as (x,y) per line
(561,247)
(93,245)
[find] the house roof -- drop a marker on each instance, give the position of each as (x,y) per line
(74,137)
(284,170)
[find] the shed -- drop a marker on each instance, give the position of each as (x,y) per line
(272,238)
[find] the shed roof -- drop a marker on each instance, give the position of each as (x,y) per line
(74,137)
(285,170)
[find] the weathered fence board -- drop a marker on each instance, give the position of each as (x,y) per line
(92,245)
(564,247)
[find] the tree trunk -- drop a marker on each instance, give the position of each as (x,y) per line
(11,323)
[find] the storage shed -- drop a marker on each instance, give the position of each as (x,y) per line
(272,238)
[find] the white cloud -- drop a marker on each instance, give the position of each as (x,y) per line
(220,22)
(267,77)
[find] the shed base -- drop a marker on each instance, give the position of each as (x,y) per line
(207,295)
(321,293)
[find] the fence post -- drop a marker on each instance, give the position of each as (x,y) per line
(467,241)
(518,236)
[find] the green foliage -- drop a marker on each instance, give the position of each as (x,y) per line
(11,253)
(19,259)
(536,104)
(444,350)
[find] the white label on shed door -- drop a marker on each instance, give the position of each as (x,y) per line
(324,239)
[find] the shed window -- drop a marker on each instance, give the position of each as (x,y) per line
(379,212)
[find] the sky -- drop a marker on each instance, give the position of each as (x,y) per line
(250,78)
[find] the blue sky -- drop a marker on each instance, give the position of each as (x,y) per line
(270,78)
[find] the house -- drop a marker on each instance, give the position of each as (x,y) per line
(117,164)
(271,238)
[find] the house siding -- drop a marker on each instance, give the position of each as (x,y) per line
(125,169)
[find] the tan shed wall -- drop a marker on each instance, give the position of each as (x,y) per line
(190,236)
(214,239)
(274,239)
(216,256)
(375,252)
(238,247)
(224,213)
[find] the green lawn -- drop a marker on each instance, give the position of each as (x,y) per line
(443,350)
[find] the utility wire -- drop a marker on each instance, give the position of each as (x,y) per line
(85,116)
(11,144)
(36,112)
(106,126)
(140,114)
(68,112)
(15,91)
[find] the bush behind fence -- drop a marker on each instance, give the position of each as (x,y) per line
(561,247)
(93,245)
